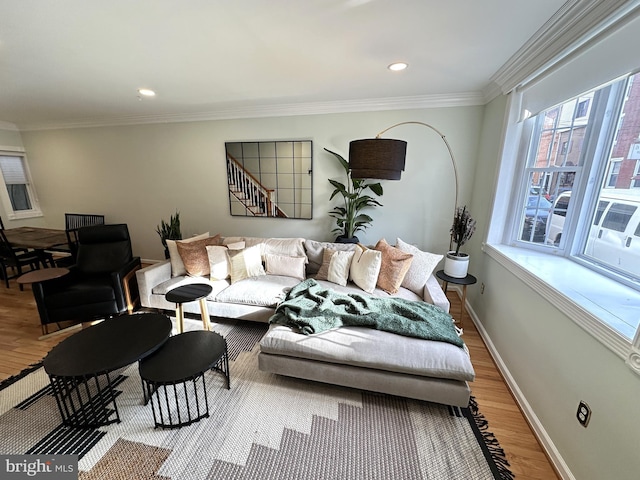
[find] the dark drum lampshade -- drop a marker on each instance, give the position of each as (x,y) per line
(381,158)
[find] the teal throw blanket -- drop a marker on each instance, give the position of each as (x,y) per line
(310,308)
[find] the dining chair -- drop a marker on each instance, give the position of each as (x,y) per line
(10,258)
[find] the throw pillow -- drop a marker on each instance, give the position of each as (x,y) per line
(194,255)
(315,251)
(177,265)
(285,265)
(218,262)
(395,264)
(423,265)
(245,263)
(335,266)
(365,267)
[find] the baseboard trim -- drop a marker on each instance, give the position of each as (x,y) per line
(539,431)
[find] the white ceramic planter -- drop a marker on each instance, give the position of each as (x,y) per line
(456,266)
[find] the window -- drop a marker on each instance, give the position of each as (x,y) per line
(636,175)
(574,206)
(18,194)
(614,172)
(561,210)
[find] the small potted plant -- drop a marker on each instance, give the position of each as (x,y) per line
(456,263)
(349,218)
(169,231)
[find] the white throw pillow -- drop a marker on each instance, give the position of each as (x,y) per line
(245,263)
(218,262)
(177,265)
(365,268)
(423,265)
(335,266)
(286,266)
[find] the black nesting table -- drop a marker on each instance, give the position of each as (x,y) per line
(173,377)
(79,367)
(190,293)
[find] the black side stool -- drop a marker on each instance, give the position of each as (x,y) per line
(173,378)
(190,293)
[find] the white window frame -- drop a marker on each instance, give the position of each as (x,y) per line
(12,214)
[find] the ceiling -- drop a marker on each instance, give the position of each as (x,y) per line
(81,62)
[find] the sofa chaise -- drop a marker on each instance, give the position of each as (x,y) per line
(351,356)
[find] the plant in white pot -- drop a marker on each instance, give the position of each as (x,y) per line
(456,264)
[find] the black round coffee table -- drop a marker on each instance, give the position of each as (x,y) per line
(173,377)
(79,366)
(190,293)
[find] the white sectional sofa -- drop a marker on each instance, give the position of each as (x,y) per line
(351,356)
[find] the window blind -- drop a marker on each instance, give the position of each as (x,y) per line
(603,58)
(12,170)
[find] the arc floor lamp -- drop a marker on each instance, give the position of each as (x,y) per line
(384,158)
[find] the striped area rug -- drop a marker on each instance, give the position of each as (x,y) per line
(265,427)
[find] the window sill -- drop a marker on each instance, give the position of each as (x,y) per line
(604,308)
(24,214)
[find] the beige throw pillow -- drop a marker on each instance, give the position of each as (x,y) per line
(395,264)
(365,267)
(177,265)
(422,266)
(335,266)
(245,263)
(285,265)
(194,255)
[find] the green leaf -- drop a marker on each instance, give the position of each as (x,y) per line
(343,162)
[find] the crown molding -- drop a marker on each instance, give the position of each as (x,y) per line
(573,25)
(231,112)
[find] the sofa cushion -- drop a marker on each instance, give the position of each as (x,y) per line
(285,265)
(422,266)
(194,255)
(365,268)
(264,291)
(335,266)
(370,348)
(315,250)
(395,264)
(177,265)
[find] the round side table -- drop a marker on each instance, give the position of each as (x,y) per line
(190,293)
(173,378)
(465,281)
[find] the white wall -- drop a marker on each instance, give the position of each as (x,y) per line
(143,173)
(553,362)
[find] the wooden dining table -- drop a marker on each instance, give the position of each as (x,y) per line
(38,238)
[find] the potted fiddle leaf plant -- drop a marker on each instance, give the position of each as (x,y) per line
(456,263)
(169,231)
(355,196)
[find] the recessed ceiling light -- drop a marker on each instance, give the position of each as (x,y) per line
(396,67)
(146,92)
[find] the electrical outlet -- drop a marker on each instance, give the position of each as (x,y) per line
(583,414)
(481,288)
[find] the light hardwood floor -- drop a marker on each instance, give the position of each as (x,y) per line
(20,347)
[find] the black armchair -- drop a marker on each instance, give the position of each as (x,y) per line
(98,285)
